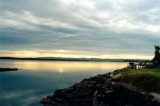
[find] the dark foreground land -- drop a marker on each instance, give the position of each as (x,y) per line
(112,89)
(8,69)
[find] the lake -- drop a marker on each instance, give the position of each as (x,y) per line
(37,79)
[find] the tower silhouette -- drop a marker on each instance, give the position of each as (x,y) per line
(156,59)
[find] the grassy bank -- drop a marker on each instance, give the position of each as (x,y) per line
(146,78)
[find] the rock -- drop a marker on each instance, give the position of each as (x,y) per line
(8,69)
(100,90)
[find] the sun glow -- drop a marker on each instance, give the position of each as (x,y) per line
(70,54)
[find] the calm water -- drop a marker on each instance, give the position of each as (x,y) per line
(37,79)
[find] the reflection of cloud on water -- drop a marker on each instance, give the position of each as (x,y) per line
(22,98)
(30,101)
(10,95)
(26,88)
(66,66)
(13,95)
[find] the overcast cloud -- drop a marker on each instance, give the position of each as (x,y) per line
(80,27)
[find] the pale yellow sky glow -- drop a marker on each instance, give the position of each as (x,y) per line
(71,54)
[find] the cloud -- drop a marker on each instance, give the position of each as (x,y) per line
(99,27)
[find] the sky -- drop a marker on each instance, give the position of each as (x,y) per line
(79,28)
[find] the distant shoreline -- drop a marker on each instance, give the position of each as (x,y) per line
(74,59)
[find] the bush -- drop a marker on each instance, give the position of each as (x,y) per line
(146,78)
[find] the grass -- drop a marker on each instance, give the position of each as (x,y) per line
(146,78)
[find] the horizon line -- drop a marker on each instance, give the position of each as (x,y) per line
(47,58)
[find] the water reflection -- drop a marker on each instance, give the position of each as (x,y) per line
(63,66)
(37,79)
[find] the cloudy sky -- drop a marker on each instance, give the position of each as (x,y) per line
(79,28)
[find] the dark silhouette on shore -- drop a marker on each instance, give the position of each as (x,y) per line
(156,59)
(8,69)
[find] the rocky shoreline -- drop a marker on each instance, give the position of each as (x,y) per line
(101,90)
(8,69)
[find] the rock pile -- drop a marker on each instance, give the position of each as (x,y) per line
(100,90)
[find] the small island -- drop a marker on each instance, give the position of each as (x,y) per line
(137,84)
(8,69)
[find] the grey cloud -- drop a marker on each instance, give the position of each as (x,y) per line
(52,24)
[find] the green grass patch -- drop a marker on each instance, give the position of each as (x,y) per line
(146,78)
